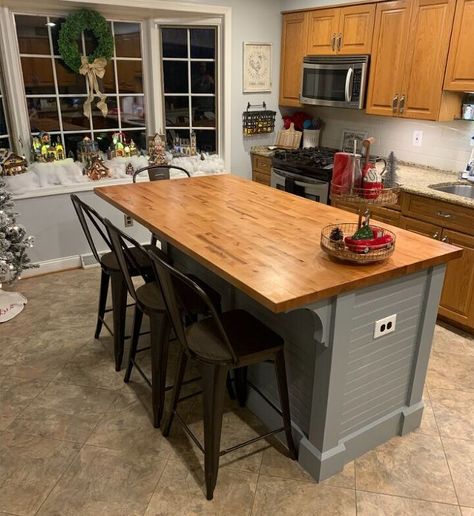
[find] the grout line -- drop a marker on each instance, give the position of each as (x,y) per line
(407,497)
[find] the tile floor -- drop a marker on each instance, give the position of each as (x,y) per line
(75,440)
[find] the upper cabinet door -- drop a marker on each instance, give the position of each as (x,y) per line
(294,35)
(323,31)
(356,28)
(427,51)
(460,69)
(392,22)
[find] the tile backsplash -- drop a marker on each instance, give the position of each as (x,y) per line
(445,145)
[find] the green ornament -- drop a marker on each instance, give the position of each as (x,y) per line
(71,30)
(364,233)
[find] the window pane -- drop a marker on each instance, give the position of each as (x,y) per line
(43,114)
(38,75)
(202,77)
(55,35)
(172,134)
(177,111)
(139,137)
(3,122)
(204,111)
(203,43)
(132,111)
(72,140)
(104,139)
(91,41)
(72,114)
(206,141)
(107,83)
(127,39)
(32,34)
(4,143)
(68,81)
(108,122)
(174,42)
(130,78)
(175,76)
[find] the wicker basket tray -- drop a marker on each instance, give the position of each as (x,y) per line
(366,196)
(339,249)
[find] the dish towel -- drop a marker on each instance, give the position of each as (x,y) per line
(11,304)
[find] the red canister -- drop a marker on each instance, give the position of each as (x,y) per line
(342,173)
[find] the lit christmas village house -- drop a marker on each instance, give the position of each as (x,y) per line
(11,164)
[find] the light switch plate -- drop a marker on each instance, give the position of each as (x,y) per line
(417,138)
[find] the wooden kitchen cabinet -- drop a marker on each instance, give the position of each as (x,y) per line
(343,30)
(293,50)
(261,169)
(460,69)
(420,227)
(411,42)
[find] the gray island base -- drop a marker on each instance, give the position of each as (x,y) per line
(349,392)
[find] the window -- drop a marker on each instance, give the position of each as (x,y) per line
(189,84)
(55,95)
(4,136)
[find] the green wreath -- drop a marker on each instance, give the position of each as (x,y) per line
(71,30)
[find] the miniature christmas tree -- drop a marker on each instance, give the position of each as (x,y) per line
(13,240)
(390,178)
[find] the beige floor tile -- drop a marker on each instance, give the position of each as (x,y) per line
(467,511)
(67,412)
(413,465)
(460,456)
(105,482)
(29,468)
(448,339)
(372,504)
(454,413)
(451,371)
(15,395)
(181,491)
(282,497)
(428,423)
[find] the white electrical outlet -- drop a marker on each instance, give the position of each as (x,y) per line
(385,326)
(417,138)
(127,221)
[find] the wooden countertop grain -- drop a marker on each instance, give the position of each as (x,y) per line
(263,241)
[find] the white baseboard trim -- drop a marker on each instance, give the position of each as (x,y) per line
(55,265)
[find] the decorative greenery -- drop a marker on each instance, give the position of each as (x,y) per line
(71,30)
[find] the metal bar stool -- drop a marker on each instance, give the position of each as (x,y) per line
(149,301)
(110,274)
(220,343)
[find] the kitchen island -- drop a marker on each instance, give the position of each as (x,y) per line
(260,248)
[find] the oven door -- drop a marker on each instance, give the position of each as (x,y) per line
(337,84)
(307,187)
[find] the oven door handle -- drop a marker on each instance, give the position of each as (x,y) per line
(349,84)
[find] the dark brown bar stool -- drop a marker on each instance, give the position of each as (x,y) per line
(220,343)
(110,273)
(149,301)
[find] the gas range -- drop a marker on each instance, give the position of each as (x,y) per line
(313,162)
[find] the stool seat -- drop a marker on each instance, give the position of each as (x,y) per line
(109,260)
(248,336)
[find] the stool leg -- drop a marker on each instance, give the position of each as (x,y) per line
(119,302)
(178,382)
(230,388)
(104,288)
(213,382)
(241,385)
(284,401)
(159,338)
(137,324)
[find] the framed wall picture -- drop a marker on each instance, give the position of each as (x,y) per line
(348,137)
(257,68)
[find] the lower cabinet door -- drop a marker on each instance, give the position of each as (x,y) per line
(457,299)
(420,227)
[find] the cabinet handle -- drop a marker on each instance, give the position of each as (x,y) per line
(445,239)
(444,215)
(339,42)
(333,42)
(395,103)
(436,235)
(401,108)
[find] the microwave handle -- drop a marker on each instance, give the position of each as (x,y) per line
(349,84)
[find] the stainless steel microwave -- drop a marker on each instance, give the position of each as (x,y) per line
(339,81)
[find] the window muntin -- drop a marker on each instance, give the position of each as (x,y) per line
(4,132)
(55,95)
(189,84)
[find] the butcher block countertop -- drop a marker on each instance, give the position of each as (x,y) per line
(263,241)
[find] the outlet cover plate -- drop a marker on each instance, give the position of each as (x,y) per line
(417,138)
(385,326)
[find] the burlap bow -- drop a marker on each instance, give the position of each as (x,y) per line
(94,71)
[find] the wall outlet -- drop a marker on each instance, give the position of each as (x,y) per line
(385,326)
(417,138)
(127,221)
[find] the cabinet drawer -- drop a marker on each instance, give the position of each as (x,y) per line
(262,163)
(261,178)
(380,213)
(451,216)
(420,227)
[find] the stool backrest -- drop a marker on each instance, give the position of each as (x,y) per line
(158,172)
(176,288)
(122,245)
(87,213)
